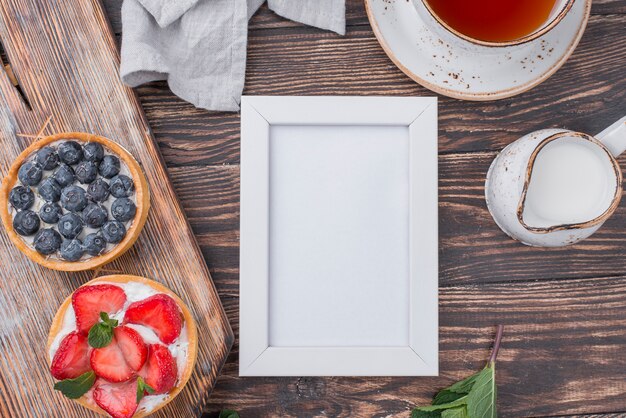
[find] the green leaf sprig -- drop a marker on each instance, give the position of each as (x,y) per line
(473,397)
(77,387)
(228,413)
(101,334)
(142,388)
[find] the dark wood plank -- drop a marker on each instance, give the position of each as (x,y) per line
(609,415)
(472,248)
(605,415)
(210,198)
(80,88)
(561,334)
(355,14)
(562,354)
(586,94)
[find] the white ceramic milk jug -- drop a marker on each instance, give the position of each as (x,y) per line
(555,187)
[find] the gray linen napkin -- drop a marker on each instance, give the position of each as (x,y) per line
(199,46)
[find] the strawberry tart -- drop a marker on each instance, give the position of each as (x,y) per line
(122,345)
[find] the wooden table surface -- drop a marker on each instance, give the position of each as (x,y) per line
(564,348)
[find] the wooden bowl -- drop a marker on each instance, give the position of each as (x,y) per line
(142,194)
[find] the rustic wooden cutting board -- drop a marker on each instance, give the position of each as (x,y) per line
(65,59)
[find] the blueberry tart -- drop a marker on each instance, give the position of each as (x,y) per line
(74,201)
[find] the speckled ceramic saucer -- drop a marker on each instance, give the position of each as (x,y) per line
(456,68)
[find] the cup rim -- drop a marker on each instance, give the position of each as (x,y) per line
(527,38)
(617,195)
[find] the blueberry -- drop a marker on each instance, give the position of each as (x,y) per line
(21,197)
(47,157)
(98,191)
(26,222)
(113,232)
(50,213)
(30,173)
(93,151)
(50,190)
(64,175)
(110,166)
(70,225)
(47,241)
(94,244)
(123,209)
(95,215)
(71,249)
(73,198)
(70,152)
(122,186)
(86,171)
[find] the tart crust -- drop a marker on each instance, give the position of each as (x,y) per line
(190,324)
(141,191)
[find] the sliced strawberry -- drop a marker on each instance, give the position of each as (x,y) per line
(89,301)
(133,348)
(109,363)
(118,399)
(72,357)
(160,371)
(160,313)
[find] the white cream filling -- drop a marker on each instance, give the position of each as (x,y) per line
(135,292)
(39,202)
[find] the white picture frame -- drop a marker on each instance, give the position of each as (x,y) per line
(384,137)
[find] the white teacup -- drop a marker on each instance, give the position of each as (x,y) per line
(555,187)
(440,27)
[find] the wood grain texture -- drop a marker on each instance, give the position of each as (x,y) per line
(562,354)
(558,342)
(586,94)
(66,61)
(564,340)
(473,249)
(610,415)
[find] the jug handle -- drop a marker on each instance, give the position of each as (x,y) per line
(614,137)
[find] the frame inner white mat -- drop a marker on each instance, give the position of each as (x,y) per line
(338,236)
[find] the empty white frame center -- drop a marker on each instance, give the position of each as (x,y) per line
(338,240)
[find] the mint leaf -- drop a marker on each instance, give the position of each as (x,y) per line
(77,387)
(228,413)
(140,391)
(465,385)
(481,401)
(460,412)
(456,391)
(438,411)
(106,320)
(474,396)
(425,414)
(101,334)
(142,387)
(459,402)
